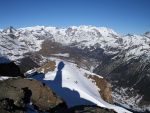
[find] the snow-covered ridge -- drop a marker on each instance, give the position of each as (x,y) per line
(68,79)
(82,27)
(15,42)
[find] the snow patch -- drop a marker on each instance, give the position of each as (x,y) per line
(62,54)
(5,78)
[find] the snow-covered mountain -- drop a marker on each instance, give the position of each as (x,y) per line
(15,42)
(147,34)
(122,59)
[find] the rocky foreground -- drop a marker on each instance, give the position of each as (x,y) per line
(18,93)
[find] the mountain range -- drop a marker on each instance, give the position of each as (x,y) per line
(123,60)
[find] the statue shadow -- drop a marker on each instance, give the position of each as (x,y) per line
(71,97)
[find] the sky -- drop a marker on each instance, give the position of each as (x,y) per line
(123,16)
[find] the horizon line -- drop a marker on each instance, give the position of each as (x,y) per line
(67,26)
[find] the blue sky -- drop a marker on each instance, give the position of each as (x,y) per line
(124,16)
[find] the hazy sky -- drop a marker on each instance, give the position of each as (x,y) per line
(124,16)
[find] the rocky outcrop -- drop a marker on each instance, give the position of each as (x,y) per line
(26,64)
(18,93)
(50,66)
(104,86)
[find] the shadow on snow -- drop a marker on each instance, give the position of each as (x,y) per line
(71,97)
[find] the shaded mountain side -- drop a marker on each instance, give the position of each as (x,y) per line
(131,74)
(83,58)
(50,47)
(26,64)
(10,69)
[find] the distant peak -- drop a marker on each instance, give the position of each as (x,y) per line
(10,29)
(147,34)
(130,35)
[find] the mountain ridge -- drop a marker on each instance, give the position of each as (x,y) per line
(122,60)
(81,37)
